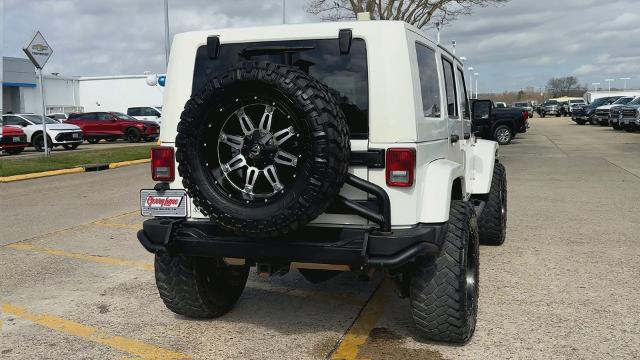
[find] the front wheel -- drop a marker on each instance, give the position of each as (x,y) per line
(93,140)
(503,134)
(444,289)
(38,142)
(199,287)
(133,135)
(580,122)
(70,146)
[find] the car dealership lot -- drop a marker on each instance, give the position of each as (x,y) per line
(77,284)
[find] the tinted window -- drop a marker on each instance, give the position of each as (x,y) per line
(429,85)
(344,74)
(134,111)
(12,120)
(465,110)
(449,82)
(104,117)
(147,111)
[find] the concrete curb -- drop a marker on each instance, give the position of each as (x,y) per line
(75,170)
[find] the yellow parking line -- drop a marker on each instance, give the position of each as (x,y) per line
(127,163)
(6,179)
(130,346)
(78,256)
(358,334)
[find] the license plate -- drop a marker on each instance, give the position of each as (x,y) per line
(170,203)
(16,139)
(75,135)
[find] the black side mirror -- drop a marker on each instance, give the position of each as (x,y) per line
(480,113)
(24,124)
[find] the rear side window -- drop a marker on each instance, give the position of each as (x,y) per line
(429,85)
(134,112)
(345,74)
(465,98)
(12,120)
(449,82)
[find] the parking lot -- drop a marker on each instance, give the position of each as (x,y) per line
(77,284)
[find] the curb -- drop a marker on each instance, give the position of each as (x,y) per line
(75,170)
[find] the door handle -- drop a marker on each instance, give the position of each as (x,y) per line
(467,136)
(454,138)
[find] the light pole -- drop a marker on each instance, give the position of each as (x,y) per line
(453,44)
(284,11)
(167,46)
(609,81)
(470,68)
(477,76)
(625,82)
(595,85)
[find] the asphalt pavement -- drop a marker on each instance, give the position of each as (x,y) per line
(75,283)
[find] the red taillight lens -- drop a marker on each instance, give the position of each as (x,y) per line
(400,167)
(162,163)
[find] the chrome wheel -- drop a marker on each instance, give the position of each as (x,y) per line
(257,152)
(503,135)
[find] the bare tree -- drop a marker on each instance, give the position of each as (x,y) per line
(561,86)
(420,13)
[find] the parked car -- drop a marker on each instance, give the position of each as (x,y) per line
(114,125)
(601,115)
(498,124)
(66,135)
(59,117)
(629,115)
(551,107)
(616,115)
(573,103)
(264,170)
(12,139)
(585,113)
(524,106)
(147,113)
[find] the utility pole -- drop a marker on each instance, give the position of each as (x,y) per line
(595,85)
(167,45)
(284,11)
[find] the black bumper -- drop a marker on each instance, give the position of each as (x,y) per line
(312,244)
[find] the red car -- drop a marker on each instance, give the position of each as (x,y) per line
(112,126)
(12,139)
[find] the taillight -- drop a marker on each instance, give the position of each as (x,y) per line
(400,166)
(162,163)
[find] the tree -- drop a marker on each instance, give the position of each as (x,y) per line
(563,86)
(419,13)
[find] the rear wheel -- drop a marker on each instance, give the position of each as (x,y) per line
(199,287)
(492,222)
(444,289)
(580,122)
(14,151)
(503,134)
(616,126)
(93,140)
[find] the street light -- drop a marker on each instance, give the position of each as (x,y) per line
(477,76)
(470,68)
(284,11)
(609,81)
(167,46)
(625,82)
(595,85)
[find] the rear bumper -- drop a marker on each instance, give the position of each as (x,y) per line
(313,244)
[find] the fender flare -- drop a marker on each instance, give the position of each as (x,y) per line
(481,159)
(435,191)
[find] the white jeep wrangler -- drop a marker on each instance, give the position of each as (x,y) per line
(322,147)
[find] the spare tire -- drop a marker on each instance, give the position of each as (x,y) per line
(262,149)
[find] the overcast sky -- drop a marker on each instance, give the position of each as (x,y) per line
(521,44)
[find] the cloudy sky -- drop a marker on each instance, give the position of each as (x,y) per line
(521,44)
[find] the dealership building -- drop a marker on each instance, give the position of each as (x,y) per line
(21,90)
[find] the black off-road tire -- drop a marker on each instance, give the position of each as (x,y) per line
(198,287)
(492,222)
(321,169)
(444,304)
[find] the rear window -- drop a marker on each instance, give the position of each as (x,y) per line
(344,74)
